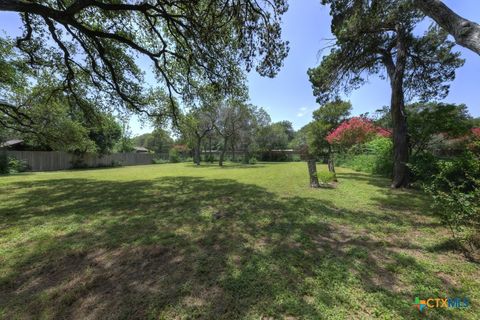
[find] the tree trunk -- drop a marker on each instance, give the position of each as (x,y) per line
(222,154)
(396,73)
(312,172)
(233,151)
(331,165)
(465,32)
(197,151)
(400,143)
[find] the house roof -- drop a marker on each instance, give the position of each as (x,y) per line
(140,149)
(10,143)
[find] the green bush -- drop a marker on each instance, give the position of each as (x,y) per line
(11,164)
(423,167)
(455,191)
(374,157)
(209,158)
(16,165)
(252,160)
(159,161)
(325,176)
(174,155)
(296,157)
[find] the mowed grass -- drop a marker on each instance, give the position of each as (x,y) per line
(175,241)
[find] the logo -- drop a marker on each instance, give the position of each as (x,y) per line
(430,303)
(420,304)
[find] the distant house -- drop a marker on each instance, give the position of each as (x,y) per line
(14,144)
(140,150)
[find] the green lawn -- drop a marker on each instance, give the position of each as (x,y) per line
(174,241)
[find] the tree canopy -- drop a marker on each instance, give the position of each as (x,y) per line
(93,48)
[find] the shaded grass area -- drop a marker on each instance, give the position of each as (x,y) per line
(253,242)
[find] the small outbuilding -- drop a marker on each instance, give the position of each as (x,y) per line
(140,150)
(14,144)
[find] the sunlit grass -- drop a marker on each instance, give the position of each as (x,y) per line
(179,241)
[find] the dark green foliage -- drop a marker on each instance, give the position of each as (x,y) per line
(209,158)
(93,46)
(3,163)
(367,34)
(105,132)
(158,141)
(455,191)
(16,166)
(252,160)
(174,155)
(10,165)
(275,156)
(423,166)
(373,157)
(426,120)
(325,119)
(275,136)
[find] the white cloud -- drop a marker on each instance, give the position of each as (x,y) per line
(303,109)
(300,114)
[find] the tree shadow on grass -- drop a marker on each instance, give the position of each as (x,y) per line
(226,166)
(190,247)
(375,180)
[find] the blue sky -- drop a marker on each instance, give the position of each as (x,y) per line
(289,95)
(307,26)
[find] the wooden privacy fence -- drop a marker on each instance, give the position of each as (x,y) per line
(56,160)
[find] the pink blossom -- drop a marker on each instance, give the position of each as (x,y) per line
(356,130)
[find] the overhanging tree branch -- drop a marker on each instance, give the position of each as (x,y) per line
(465,32)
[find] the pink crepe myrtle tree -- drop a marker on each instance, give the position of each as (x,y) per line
(356,130)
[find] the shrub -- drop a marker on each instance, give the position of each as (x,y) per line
(455,191)
(372,157)
(159,161)
(173,155)
(357,130)
(209,158)
(296,157)
(423,167)
(252,160)
(325,176)
(11,164)
(16,165)
(277,156)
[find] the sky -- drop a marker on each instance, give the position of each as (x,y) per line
(288,96)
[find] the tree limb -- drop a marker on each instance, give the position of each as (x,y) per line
(465,32)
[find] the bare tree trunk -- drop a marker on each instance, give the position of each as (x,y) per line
(331,165)
(465,32)
(233,150)
(396,73)
(312,172)
(222,154)
(197,151)
(399,119)
(400,143)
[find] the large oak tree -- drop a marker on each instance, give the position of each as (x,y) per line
(95,48)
